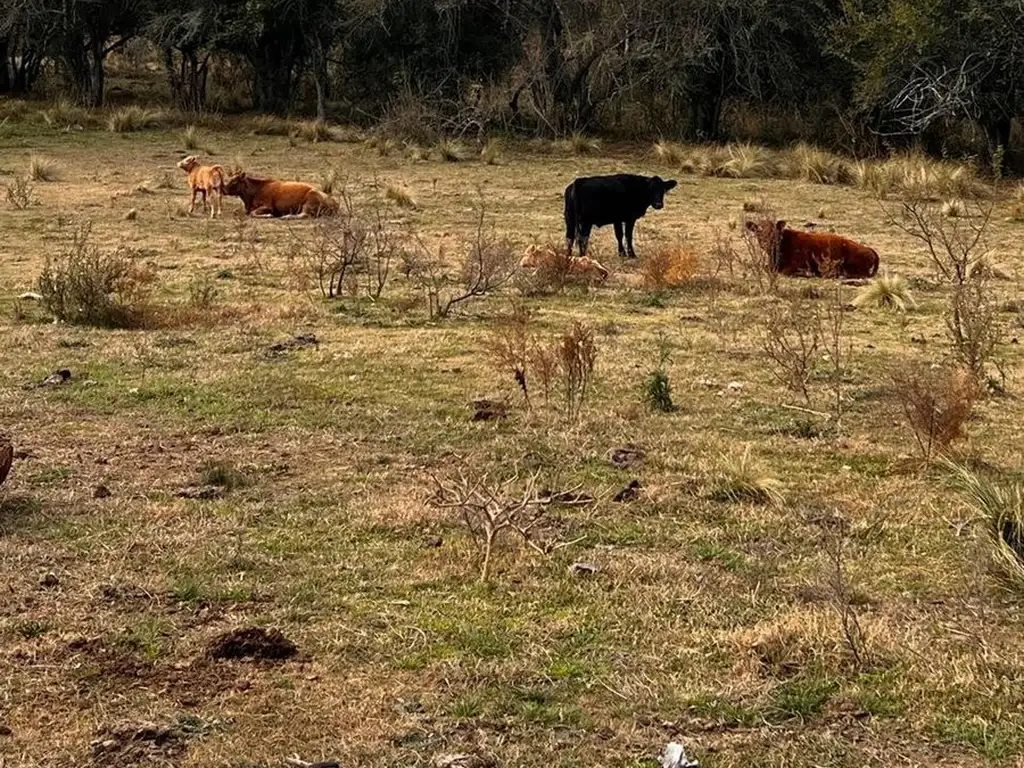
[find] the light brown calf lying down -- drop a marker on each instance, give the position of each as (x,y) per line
(207,180)
(269,197)
(549,258)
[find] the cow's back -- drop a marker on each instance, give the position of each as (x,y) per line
(604,200)
(283,196)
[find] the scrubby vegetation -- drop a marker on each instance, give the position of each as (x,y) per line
(376,488)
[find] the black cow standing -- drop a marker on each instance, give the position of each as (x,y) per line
(621,199)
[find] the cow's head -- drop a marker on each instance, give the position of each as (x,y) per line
(658,190)
(236,183)
(768,234)
(188,163)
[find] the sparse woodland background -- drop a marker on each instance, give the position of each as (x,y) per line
(861,76)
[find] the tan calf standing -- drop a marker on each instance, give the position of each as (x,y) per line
(207,180)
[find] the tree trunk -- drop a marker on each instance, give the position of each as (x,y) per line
(998,129)
(320,79)
(5,74)
(96,75)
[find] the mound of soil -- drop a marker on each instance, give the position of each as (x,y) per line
(253,643)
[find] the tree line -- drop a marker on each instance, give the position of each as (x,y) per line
(861,73)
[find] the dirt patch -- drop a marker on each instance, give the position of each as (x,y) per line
(132,744)
(630,493)
(626,456)
(253,643)
(301,341)
(200,492)
(489,410)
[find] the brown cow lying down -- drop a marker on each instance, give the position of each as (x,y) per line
(546,257)
(205,180)
(269,197)
(813,254)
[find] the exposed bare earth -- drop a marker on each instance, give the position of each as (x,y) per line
(707,621)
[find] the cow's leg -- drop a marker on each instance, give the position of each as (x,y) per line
(214,203)
(583,236)
(192,202)
(629,239)
(263,212)
(618,238)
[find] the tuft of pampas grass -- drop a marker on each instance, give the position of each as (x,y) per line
(743,479)
(954,209)
(891,293)
(818,166)
(579,144)
(400,196)
(1001,506)
(491,153)
(668,152)
(43,169)
(190,137)
(313,131)
(451,150)
(131,119)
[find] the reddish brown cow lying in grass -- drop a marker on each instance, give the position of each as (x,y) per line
(205,180)
(269,197)
(813,254)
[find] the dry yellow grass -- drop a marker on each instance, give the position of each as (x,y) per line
(706,611)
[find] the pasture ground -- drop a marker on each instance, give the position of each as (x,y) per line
(708,621)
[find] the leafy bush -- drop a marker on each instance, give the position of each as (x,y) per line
(87,286)
(657,387)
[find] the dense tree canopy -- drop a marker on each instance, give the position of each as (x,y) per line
(900,70)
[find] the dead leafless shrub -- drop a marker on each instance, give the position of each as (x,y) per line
(790,340)
(953,243)
(491,509)
(960,255)
(85,285)
(576,354)
(543,367)
(510,344)
(355,248)
(726,258)
(756,257)
(20,193)
(566,362)
(837,586)
(936,404)
(973,325)
(837,348)
(329,252)
(489,261)
(668,267)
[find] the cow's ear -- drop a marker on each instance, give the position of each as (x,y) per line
(780,225)
(670,184)
(752,226)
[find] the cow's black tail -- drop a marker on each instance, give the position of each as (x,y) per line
(571,222)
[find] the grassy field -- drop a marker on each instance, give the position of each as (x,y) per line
(711,621)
